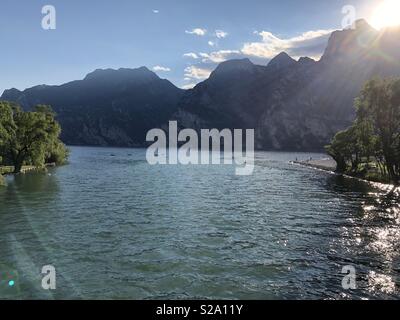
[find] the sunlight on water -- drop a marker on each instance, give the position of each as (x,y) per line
(115,227)
(381,228)
(381,282)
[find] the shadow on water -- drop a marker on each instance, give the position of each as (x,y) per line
(369,238)
(345,185)
(23,250)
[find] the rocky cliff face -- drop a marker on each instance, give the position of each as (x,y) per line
(108,107)
(294,105)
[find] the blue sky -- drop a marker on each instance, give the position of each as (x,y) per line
(182,40)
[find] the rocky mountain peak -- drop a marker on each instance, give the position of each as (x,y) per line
(350,43)
(306,60)
(234,65)
(122,74)
(11,94)
(363,25)
(282,60)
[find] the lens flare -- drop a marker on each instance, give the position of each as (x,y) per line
(387,14)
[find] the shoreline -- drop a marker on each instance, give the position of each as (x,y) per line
(8,170)
(329,166)
(322,164)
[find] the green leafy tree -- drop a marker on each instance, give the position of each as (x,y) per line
(7,125)
(375,134)
(341,149)
(379,104)
(57,153)
(30,137)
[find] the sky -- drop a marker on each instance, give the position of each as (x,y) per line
(180,40)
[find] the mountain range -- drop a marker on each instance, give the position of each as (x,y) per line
(291,104)
(106,108)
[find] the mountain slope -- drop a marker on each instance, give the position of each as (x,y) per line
(294,105)
(108,107)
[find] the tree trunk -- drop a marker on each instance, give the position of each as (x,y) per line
(341,164)
(18,162)
(18,167)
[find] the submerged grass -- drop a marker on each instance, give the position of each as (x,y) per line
(2,181)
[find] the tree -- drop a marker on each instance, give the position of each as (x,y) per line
(57,153)
(341,149)
(374,134)
(379,105)
(29,137)
(7,125)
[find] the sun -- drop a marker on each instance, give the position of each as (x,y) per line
(387,14)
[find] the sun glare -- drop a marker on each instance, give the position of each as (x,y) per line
(387,14)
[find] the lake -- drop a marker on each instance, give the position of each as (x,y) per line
(115,227)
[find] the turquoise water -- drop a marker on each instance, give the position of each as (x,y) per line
(115,227)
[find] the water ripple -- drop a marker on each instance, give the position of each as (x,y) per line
(117,228)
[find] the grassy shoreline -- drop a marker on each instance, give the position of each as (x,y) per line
(5,170)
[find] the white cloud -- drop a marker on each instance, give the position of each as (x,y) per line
(311,43)
(160,68)
(211,43)
(218,56)
(156,11)
(221,34)
(197,31)
(188,86)
(191,55)
(196,73)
